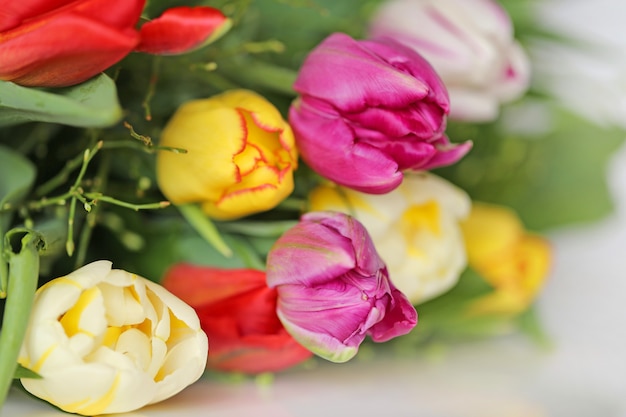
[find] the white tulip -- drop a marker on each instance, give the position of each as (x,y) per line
(470,44)
(108,341)
(415,228)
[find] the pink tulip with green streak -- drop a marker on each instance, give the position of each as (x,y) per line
(367,111)
(333,287)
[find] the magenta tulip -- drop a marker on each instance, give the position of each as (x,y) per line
(333,287)
(369,110)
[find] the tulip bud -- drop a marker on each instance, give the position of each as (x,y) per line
(240,155)
(469,43)
(238,312)
(369,110)
(514,262)
(333,288)
(415,227)
(67,43)
(108,341)
(39,45)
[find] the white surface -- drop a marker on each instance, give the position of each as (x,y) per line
(582,307)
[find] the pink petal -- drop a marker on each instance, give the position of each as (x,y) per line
(329,74)
(182,29)
(327,145)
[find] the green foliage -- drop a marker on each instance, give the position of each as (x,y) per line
(90,104)
(552,178)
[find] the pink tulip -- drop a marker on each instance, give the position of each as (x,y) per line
(333,287)
(369,110)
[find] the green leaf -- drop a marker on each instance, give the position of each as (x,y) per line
(17,176)
(553,177)
(23,275)
(21,372)
(93,103)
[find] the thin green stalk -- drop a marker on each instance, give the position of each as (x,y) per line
(205,227)
(96,197)
(23,275)
(87,230)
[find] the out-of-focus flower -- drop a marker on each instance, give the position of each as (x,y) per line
(416,229)
(333,288)
(369,110)
(240,155)
(469,43)
(513,261)
(108,341)
(237,311)
(65,42)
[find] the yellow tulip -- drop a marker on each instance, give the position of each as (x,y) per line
(514,262)
(108,341)
(415,229)
(240,155)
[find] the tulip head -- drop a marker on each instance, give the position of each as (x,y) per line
(237,311)
(416,229)
(333,288)
(39,45)
(469,43)
(107,341)
(369,110)
(514,262)
(240,155)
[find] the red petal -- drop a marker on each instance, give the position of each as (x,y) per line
(66,50)
(200,285)
(121,15)
(13,12)
(182,29)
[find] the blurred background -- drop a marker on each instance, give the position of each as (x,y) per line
(580,371)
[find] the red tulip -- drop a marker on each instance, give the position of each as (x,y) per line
(57,43)
(238,313)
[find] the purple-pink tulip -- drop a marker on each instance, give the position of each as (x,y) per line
(369,110)
(333,287)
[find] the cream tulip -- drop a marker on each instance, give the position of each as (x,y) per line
(416,230)
(108,341)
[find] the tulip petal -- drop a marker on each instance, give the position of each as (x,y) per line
(123,16)
(310,253)
(14,12)
(399,319)
(328,145)
(182,29)
(336,59)
(64,58)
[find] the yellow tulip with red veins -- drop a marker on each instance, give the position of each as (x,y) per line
(416,230)
(513,261)
(108,341)
(240,155)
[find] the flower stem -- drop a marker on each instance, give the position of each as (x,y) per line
(23,275)
(205,227)
(262,74)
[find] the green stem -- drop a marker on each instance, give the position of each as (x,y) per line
(262,74)
(23,275)
(97,197)
(205,227)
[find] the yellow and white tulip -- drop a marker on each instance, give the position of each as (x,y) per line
(108,341)
(415,228)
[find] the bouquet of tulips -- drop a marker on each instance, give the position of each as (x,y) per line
(193,187)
